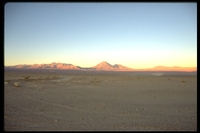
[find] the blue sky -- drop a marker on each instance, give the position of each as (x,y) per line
(136,35)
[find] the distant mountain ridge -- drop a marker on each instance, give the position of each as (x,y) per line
(106,66)
(174,68)
(103,66)
(47,66)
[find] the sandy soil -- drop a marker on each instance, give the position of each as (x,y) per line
(99,102)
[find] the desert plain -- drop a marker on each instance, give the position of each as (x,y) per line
(99,101)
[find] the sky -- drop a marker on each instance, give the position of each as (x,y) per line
(136,35)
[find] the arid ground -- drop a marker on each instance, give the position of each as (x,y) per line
(51,101)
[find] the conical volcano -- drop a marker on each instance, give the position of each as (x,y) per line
(108,67)
(104,66)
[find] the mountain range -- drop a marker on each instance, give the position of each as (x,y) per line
(103,66)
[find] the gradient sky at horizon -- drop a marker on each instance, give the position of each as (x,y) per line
(136,35)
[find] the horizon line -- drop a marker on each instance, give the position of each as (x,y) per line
(161,66)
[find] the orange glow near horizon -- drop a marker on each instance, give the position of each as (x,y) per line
(154,68)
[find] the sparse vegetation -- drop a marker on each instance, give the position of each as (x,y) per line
(40,77)
(7,80)
(26,77)
(16,84)
(47,77)
(183,81)
(54,77)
